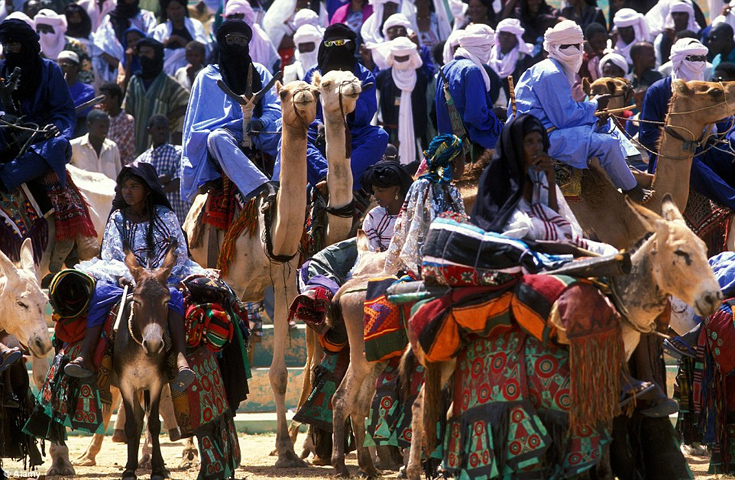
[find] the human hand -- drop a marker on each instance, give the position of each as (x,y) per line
(51,130)
(602,101)
(415,39)
(124,282)
(671,33)
(726,9)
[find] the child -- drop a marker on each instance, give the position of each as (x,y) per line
(95,152)
(122,124)
(195,55)
(166,159)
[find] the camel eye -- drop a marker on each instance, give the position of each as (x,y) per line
(23,305)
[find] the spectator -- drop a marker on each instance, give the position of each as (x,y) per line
(261,48)
(431,21)
(510,55)
(721,44)
(680,18)
(614,65)
(80,92)
(175,32)
(644,65)
(584,12)
(31,8)
(195,56)
(166,159)
(97,10)
(122,124)
(594,49)
(535,16)
(725,72)
(353,14)
(51,29)
(631,27)
(94,152)
(306,38)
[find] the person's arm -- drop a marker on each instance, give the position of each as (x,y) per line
(60,108)
(481,123)
(554,93)
(650,133)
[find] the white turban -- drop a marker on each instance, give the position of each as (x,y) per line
(370,30)
(617,60)
(449,46)
(477,45)
(404,76)
(504,65)
(682,68)
(305,34)
(305,16)
(240,6)
(22,16)
(396,20)
(51,43)
(627,17)
(566,32)
(682,6)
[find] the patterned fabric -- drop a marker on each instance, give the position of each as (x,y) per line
(14,442)
(317,410)
(208,324)
(709,221)
(510,395)
(167,161)
(384,329)
(21,218)
(71,211)
(221,205)
(122,132)
(378,226)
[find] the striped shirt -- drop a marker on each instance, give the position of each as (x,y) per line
(378,226)
(167,160)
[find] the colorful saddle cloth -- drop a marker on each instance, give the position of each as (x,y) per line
(21,218)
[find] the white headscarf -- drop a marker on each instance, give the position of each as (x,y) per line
(381,50)
(396,20)
(684,6)
(404,76)
(22,16)
(305,34)
(262,49)
(565,33)
(51,43)
(477,45)
(449,46)
(684,69)
(617,60)
(627,17)
(504,65)
(305,16)
(278,20)
(370,30)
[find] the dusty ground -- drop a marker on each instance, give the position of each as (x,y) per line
(257,464)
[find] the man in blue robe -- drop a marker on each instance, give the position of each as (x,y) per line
(713,172)
(545,91)
(472,85)
(213,127)
(42,98)
(368,141)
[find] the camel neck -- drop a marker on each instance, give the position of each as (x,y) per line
(339,177)
(672,171)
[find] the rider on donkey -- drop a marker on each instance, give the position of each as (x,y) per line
(41,99)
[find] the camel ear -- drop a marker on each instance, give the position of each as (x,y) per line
(680,87)
(669,211)
(164,271)
(363,244)
(316,79)
(586,88)
(132,264)
(611,87)
(649,218)
(279,86)
(26,256)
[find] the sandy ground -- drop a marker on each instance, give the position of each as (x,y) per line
(256,462)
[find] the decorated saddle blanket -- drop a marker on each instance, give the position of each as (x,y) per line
(222,203)
(709,221)
(385,323)
(317,410)
(22,218)
(71,211)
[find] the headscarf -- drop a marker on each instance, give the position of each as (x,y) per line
(477,45)
(261,48)
(371,32)
(305,16)
(150,67)
(234,60)
(566,32)
(384,174)
(396,20)
(451,43)
(627,17)
(81,30)
(22,16)
(442,150)
(617,60)
(68,55)
(501,184)
(51,43)
(404,76)
(682,68)
(147,173)
(166,3)
(308,60)
(135,66)
(338,58)
(682,6)
(29,59)
(121,15)
(505,65)
(381,51)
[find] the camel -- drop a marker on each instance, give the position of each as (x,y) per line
(693,108)
(664,264)
(252,269)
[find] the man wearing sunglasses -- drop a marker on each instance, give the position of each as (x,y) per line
(545,91)
(337,52)
(213,127)
(710,170)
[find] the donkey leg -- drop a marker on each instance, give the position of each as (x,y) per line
(133,425)
(284,291)
(158,471)
(89,457)
(166,408)
(359,415)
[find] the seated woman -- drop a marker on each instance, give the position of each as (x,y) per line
(429,196)
(514,195)
(143,221)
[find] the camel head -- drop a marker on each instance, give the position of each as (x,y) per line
(298,102)
(678,259)
(335,85)
(696,104)
(23,303)
(620,89)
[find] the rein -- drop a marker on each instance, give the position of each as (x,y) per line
(296,110)
(130,325)
(348,135)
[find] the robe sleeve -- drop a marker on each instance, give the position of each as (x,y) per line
(562,110)
(367,102)
(60,104)
(654,104)
(481,124)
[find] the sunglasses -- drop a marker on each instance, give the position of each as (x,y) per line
(696,58)
(337,43)
(236,39)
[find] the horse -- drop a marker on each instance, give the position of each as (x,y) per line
(139,357)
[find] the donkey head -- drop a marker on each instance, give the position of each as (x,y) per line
(150,299)
(23,303)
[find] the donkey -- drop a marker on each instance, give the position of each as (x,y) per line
(139,357)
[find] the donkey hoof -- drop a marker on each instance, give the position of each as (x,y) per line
(160,473)
(129,474)
(289,460)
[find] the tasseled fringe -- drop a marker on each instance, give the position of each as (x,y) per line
(246,223)
(594,365)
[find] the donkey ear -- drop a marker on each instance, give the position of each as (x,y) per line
(26,256)
(669,211)
(164,271)
(6,266)
(132,263)
(649,218)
